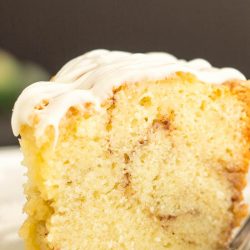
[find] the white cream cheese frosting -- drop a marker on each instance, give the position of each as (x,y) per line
(92,76)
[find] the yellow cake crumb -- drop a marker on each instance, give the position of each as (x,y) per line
(161,166)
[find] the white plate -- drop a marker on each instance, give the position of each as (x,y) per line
(12,198)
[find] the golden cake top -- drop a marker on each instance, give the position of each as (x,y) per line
(92,77)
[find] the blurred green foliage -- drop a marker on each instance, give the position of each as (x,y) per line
(14,77)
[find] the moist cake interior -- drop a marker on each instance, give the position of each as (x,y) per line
(160,166)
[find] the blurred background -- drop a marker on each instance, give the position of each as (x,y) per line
(38,37)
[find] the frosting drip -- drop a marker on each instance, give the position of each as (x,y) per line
(92,76)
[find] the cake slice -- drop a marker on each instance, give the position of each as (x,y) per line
(134,151)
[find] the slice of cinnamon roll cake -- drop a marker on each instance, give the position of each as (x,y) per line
(134,151)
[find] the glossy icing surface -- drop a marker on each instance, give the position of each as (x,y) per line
(92,77)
